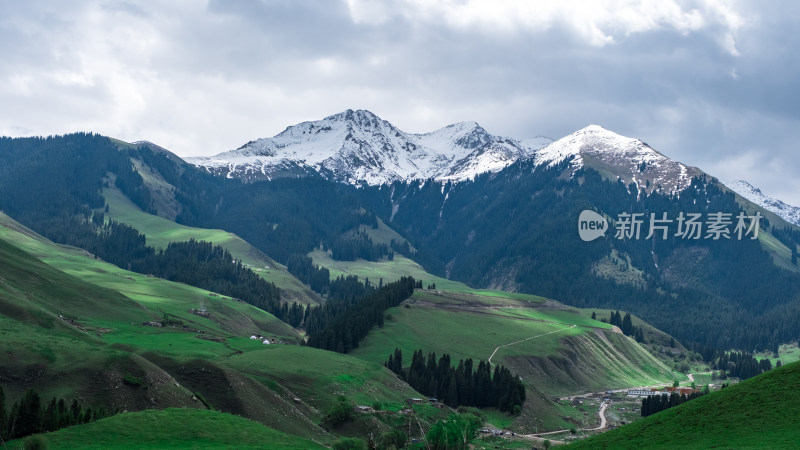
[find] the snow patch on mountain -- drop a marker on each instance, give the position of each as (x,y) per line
(358,146)
(787,212)
(614,155)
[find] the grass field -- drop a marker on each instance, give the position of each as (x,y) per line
(319,377)
(173,428)
(787,354)
(387,270)
(556,350)
(74,326)
(465,327)
(160,232)
(762,412)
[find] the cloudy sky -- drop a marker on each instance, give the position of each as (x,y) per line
(712,83)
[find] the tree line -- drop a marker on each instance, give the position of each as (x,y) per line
(339,325)
(352,246)
(657,403)
(740,365)
(30,415)
(464,384)
(625,324)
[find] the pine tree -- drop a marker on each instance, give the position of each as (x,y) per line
(627,325)
(29,415)
(3,415)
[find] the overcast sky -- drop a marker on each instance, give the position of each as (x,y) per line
(711,83)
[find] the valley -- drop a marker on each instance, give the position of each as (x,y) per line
(497,283)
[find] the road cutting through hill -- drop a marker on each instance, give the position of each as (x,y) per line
(526,339)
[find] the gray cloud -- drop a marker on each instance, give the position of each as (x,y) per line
(711,83)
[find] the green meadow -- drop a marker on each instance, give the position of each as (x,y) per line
(384,269)
(176,428)
(78,324)
(762,412)
(561,348)
(160,232)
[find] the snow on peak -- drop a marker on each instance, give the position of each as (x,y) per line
(358,146)
(626,158)
(787,212)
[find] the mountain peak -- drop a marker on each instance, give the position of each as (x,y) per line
(360,117)
(357,146)
(787,212)
(594,129)
(612,154)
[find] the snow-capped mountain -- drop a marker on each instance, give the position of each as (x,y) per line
(359,147)
(787,212)
(618,156)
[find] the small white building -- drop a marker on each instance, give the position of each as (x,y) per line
(644,393)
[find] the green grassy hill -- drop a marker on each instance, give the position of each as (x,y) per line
(72,327)
(762,412)
(160,232)
(556,350)
(173,428)
(83,306)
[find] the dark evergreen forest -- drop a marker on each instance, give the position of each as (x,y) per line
(31,415)
(464,384)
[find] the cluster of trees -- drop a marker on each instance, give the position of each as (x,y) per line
(30,415)
(740,365)
(340,325)
(463,385)
(455,432)
(62,176)
(197,263)
(790,237)
(316,277)
(625,324)
(352,246)
(658,403)
(211,267)
(343,293)
(282,217)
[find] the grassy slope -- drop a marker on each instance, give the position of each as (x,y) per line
(319,377)
(763,412)
(160,232)
(565,361)
(387,270)
(173,428)
(152,297)
(88,357)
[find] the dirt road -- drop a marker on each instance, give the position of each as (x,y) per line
(526,339)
